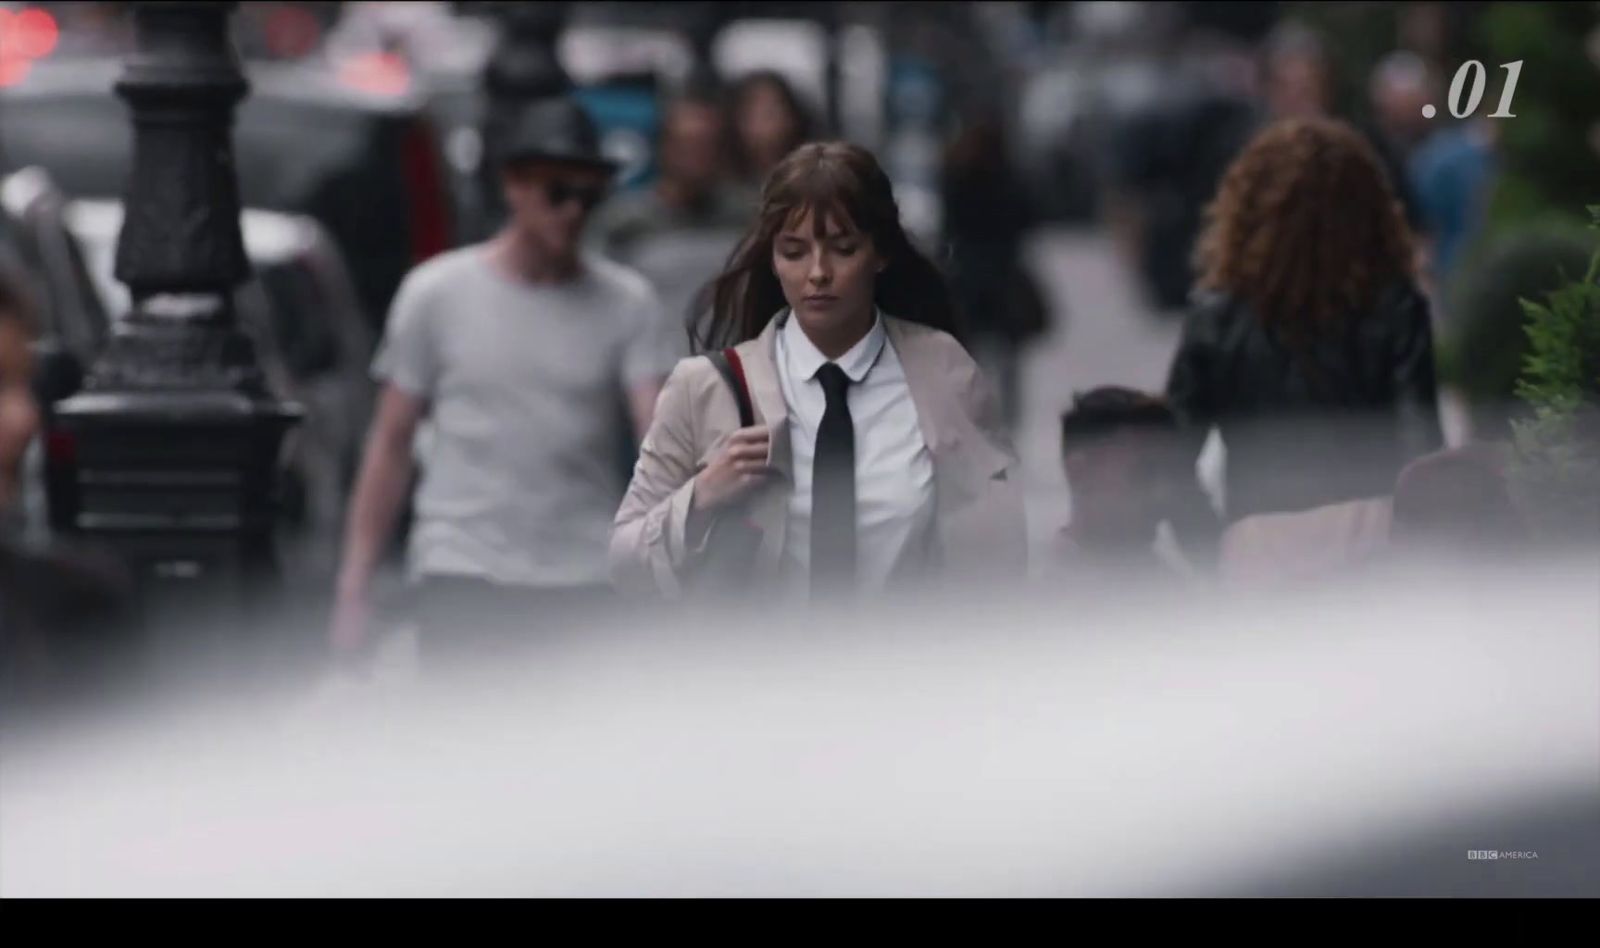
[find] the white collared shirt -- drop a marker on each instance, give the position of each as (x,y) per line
(894,469)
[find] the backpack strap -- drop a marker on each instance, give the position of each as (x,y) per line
(732,370)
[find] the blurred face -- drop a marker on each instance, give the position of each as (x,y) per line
(1298,87)
(766,126)
(1116,495)
(691,148)
(1399,108)
(549,203)
(827,279)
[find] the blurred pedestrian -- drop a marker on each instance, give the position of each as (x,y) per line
(769,121)
(1130,468)
(19,414)
(1452,507)
(1453,173)
(1170,155)
(986,218)
(1298,547)
(1400,87)
(679,231)
(1308,346)
(64,612)
(1170,152)
(517,352)
(873,454)
(1299,74)
(1458,502)
(1300,83)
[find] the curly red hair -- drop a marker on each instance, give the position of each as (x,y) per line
(1306,228)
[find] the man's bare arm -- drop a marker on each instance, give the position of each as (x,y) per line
(380,492)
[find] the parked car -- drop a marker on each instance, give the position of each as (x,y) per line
(299,307)
(309,139)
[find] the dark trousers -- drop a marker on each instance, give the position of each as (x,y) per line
(465,621)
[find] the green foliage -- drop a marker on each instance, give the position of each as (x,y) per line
(1483,345)
(1556,473)
(1550,161)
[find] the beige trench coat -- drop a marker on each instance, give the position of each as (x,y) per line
(980,531)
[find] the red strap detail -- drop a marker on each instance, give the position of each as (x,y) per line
(738,367)
(738,370)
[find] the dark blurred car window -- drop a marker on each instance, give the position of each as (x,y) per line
(300,321)
(70,314)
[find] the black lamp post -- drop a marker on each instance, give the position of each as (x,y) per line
(173,444)
(523,68)
(524,65)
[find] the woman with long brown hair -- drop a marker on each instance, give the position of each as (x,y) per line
(1308,344)
(872,452)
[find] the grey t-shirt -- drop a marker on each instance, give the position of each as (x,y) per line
(526,385)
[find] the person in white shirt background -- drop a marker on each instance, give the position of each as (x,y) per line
(518,352)
(877,456)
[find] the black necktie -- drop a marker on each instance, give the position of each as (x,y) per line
(833,489)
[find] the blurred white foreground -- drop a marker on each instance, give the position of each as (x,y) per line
(1354,740)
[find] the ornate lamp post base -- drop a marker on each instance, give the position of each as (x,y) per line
(170,452)
(195,465)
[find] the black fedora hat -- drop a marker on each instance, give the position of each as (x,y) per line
(553,129)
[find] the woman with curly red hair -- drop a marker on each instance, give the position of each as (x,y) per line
(1308,344)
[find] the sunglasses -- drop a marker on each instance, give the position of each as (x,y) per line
(587,196)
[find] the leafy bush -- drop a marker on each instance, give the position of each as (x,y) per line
(1556,471)
(1483,346)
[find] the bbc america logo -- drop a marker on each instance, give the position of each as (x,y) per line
(1501,854)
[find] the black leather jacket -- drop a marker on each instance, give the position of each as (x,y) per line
(1335,422)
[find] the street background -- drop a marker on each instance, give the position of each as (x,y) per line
(362,146)
(1356,734)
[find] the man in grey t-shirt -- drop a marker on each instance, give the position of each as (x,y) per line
(513,359)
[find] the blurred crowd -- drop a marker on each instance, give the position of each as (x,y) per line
(1307,237)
